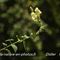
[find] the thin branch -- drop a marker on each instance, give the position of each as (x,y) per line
(10,45)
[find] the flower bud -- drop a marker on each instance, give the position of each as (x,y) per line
(33,15)
(37,11)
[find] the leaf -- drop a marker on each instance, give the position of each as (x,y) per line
(14,47)
(8,51)
(4,44)
(18,39)
(25,36)
(9,40)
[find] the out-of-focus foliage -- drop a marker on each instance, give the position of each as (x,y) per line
(15,20)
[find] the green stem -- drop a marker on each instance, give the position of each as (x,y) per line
(10,45)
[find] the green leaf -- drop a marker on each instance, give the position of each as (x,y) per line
(18,39)
(8,51)
(9,40)
(4,44)
(14,47)
(25,36)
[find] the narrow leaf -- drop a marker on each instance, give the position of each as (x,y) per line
(25,36)
(8,51)
(14,47)
(18,39)
(9,40)
(4,44)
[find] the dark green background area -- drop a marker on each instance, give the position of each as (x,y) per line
(15,20)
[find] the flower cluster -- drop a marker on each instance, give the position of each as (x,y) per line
(35,14)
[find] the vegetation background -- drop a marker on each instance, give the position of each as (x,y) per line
(15,20)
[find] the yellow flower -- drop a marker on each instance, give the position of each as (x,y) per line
(33,15)
(37,11)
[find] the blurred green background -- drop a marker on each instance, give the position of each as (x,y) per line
(15,20)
